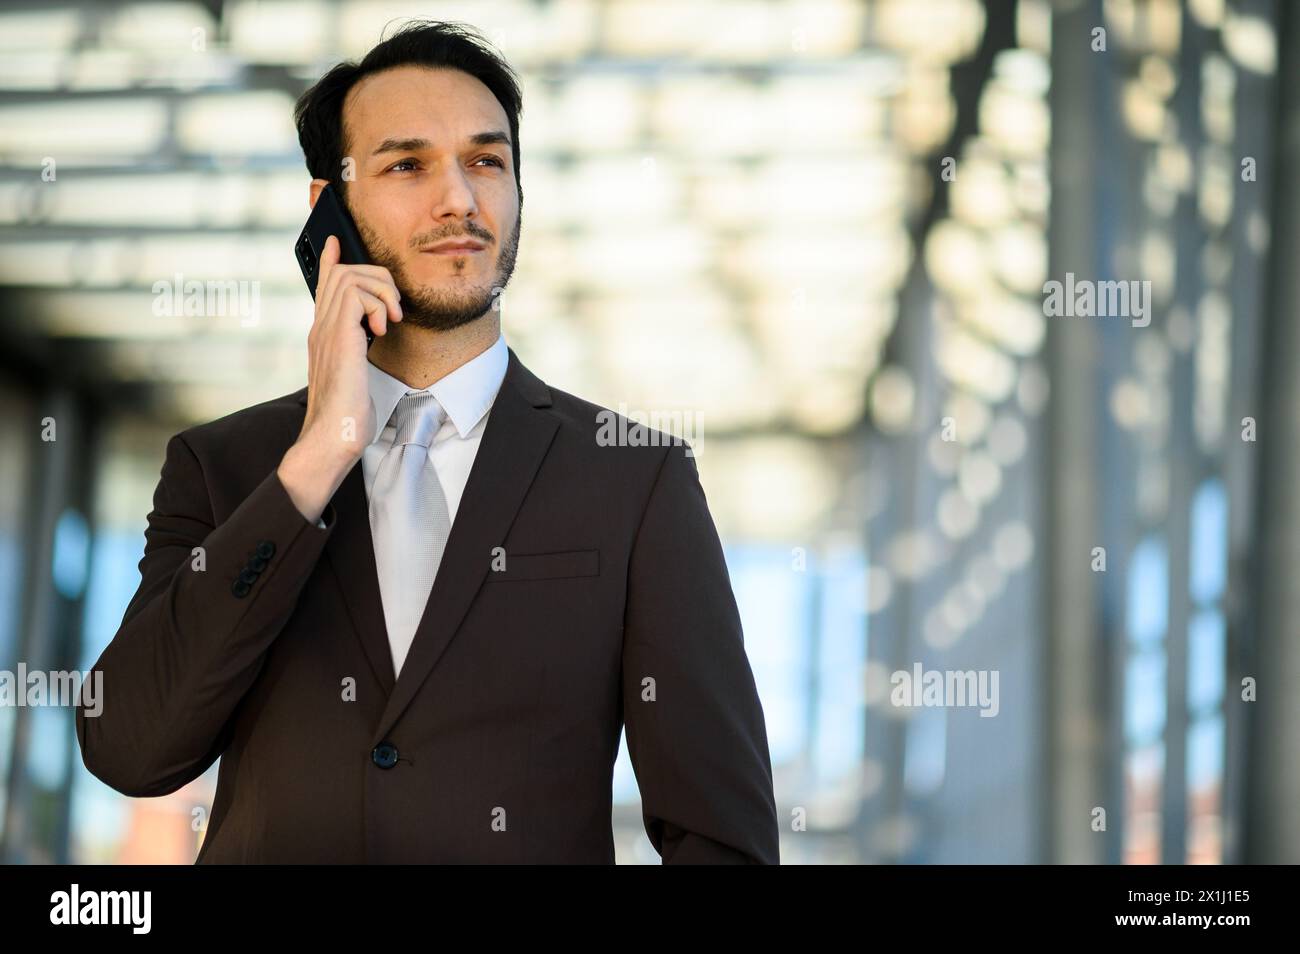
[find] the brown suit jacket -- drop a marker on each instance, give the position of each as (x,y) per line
(498,741)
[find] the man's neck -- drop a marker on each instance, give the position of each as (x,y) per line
(418,356)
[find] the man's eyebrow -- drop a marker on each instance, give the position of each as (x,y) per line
(489,138)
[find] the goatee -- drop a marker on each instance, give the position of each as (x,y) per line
(441,309)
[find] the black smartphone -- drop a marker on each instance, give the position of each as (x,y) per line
(329,217)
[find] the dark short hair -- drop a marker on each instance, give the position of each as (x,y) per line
(434,44)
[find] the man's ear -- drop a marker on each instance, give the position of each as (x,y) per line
(315,190)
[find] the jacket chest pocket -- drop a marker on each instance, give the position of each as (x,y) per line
(547,566)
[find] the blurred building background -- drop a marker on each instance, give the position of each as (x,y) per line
(823,228)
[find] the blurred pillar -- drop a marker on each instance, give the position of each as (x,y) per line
(36,819)
(1255,121)
(1076,669)
(1271,822)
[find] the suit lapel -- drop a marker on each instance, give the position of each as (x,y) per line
(514,443)
(351,553)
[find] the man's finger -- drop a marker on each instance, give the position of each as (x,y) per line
(329,257)
(376,311)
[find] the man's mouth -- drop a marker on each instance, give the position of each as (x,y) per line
(454,248)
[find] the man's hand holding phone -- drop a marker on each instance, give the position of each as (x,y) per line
(340,418)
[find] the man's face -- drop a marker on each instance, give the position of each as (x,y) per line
(433,163)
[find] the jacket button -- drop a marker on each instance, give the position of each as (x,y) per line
(249,575)
(265,549)
(240,589)
(384,755)
(257,564)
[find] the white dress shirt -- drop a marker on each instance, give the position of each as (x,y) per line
(466,394)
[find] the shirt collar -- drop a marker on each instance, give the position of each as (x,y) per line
(466,394)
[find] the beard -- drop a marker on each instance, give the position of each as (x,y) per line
(441,309)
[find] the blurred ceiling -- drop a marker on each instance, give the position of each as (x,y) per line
(677,159)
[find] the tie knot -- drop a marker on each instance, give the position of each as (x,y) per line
(417,417)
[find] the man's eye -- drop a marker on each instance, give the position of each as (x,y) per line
(397,167)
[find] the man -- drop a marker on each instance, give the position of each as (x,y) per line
(412,604)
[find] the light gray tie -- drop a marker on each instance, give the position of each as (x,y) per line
(409,520)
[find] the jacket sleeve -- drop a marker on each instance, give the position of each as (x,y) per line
(696,734)
(195,635)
